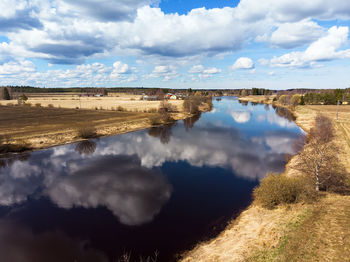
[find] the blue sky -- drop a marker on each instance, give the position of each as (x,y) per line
(175,43)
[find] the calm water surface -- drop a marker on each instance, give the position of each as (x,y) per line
(162,189)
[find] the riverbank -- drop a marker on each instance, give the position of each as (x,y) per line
(42,127)
(299,232)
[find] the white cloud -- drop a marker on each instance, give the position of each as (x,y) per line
(323,49)
(165,72)
(196,69)
(119,70)
(71,32)
(292,11)
(16,67)
(243,63)
(106,10)
(289,35)
(203,72)
(211,71)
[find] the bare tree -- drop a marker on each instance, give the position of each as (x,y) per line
(319,157)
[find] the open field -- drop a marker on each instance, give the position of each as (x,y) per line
(258,99)
(301,232)
(42,127)
(306,114)
(126,101)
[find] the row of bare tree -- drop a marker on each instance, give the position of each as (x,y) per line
(319,158)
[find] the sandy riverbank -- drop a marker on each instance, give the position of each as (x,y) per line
(299,232)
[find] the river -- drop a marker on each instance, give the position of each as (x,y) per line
(159,190)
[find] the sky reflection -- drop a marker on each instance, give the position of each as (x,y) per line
(163,189)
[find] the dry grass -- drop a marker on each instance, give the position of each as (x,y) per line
(255,229)
(306,114)
(42,126)
(258,99)
(72,101)
(317,234)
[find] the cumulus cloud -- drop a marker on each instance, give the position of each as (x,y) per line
(290,35)
(243,63)
(203,72)
(71,32)
(98,74)
(18,14)
(196,69)
(119,70)
(107,10)
(165,72)
(17,67)
(292,11)
(324,49)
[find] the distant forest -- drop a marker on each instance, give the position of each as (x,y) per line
(303,96)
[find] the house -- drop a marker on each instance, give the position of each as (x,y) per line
(170,96)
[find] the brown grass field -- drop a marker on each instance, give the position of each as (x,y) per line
(306,114)
(42,127)
(301,232)
(258,99)
(52,119)
(73,101)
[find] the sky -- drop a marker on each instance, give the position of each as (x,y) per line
(221,44)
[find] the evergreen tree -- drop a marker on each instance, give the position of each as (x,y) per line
(6,94)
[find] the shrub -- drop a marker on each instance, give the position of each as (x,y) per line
(276,189)
(50,106)
(156,120)
(166,107)
(38,105)
(23,98)
(284,100)
(120,108)
(87,132)
(295,100)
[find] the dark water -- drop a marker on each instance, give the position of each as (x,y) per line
(162,189)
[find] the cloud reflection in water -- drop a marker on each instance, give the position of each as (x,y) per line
(123,173)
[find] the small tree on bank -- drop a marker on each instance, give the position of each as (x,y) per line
(319,158)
